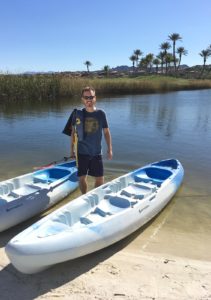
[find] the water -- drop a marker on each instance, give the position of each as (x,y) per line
(145,128)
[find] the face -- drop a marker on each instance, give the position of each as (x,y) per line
(89,99)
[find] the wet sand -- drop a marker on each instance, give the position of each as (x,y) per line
(169,258)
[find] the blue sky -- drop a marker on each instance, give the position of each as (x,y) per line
(60,35)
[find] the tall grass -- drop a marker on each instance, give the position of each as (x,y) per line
(45,87)
(140,85)
(23,88)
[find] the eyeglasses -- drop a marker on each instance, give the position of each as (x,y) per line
(88,97)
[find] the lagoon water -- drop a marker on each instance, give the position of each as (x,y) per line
(145,128)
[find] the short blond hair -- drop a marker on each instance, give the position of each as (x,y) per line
(87,89)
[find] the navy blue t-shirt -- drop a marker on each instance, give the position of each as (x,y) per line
(94,123)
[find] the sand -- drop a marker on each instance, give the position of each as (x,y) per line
(163,260)
(113,273)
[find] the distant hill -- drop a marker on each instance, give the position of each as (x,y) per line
(125,68)
(118,69)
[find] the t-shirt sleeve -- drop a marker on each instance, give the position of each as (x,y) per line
(104,120)
(70,122)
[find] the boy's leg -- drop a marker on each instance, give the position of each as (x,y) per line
(96,170)
(83,184)
(99,181)
(83,164)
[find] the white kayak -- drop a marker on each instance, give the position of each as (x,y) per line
(25,196)
(100,218)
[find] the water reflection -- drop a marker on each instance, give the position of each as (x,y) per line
(16,110)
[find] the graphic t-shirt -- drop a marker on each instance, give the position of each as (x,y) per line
(94,123)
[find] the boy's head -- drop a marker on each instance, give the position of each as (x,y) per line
(89,90)
(88,97)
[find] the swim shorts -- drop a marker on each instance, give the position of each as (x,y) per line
(90,165)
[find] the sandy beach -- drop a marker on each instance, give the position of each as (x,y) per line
(110,275)
(163,260)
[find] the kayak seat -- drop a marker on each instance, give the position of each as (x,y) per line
(152,174)
(132,195)
(110,205)
(138,191)
(119,202)
(101,212)
(138,178)
(85,221)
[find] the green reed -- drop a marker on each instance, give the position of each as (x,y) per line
(47,87)
(23,88)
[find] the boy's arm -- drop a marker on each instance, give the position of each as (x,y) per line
(72,139)
(107,136)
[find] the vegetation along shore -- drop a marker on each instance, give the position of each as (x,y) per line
(148,74)
(42,87)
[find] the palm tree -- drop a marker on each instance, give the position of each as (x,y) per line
(169,59)
(137,53)
(88,64)
(106,70)
(181,51)
(149,58)
(161,56)
(143,64)
(205,54)
(174,37)
(133,59)
(156,62)
(165,46)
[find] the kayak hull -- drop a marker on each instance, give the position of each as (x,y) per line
(98,219)
(25,196)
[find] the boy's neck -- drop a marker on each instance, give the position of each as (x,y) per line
(91,109)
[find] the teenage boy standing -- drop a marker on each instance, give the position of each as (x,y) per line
(89,150)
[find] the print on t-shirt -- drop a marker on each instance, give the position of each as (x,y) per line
(91,125)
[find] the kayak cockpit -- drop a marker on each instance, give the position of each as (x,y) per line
(152,174)
(50,175)
(98,206)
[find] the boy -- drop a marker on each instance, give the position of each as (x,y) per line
(89,151)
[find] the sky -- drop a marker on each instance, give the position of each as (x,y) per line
(60,35)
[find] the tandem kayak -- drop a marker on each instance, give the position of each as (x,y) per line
(25,196)
(97,219)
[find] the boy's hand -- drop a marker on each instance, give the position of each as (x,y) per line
(110,154)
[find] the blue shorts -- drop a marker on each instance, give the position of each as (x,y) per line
(90,165)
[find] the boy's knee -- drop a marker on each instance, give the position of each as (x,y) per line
(99,181)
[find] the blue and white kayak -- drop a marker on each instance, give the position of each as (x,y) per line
(27,195)
(97,219)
